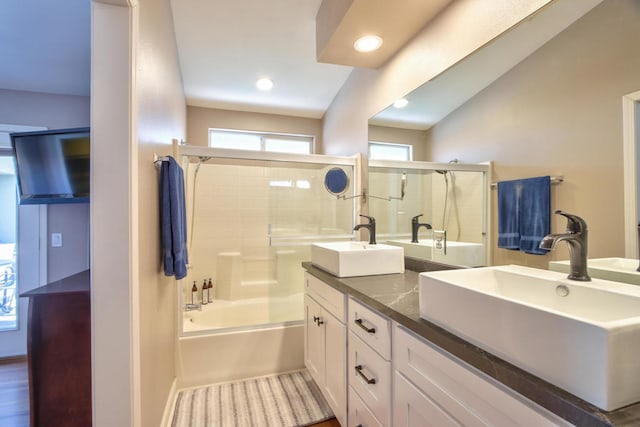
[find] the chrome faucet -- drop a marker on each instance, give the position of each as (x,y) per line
(415,226)
(576,237)
(371,226)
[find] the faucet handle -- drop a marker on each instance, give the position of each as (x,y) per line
(371,219)
(415,219)
(575,224)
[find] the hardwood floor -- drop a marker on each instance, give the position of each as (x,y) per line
(14,393)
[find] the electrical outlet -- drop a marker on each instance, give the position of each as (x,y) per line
(56,240)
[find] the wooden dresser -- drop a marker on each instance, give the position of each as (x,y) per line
(59,352)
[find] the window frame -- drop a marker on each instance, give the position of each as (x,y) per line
(264,136)
(407,147)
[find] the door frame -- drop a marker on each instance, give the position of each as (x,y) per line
(630,112)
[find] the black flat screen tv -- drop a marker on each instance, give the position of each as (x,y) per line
(52,166)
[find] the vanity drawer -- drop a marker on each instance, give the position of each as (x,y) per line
(370,376)
(331,299)
(373,328)
(460,390)
(359,414)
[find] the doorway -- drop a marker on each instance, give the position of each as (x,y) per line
(22,254)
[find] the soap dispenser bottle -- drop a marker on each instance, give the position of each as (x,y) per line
(205,292)
(210,290)
(194,292)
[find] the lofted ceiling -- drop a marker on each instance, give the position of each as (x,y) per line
(224,46)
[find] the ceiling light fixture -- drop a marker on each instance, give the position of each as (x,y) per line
(367,43)
(401,103)
(264,84)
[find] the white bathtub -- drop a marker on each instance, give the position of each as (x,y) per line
(230,340)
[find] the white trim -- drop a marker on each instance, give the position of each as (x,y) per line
(629,105)
(170,406)
(43,211)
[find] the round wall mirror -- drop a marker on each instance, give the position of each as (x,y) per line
(336,181)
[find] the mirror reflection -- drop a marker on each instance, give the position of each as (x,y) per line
(442,216)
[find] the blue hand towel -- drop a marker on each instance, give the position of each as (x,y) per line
(173,219)
(509,195)
(535,214)
(524,214)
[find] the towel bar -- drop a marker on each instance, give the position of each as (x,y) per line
(554,180)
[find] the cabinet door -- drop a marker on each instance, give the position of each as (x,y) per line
(336,366)
(314,340)
(413,408)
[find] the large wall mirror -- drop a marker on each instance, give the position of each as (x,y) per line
(442,213)
(590,62)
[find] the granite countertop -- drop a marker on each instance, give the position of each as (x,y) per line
(396,296)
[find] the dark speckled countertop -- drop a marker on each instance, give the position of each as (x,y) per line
(396,296)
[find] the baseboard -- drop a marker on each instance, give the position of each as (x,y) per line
(169,407)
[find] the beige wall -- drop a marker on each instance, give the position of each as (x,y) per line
(200,119)
(415,138)
(559,113)
(137,108)
(161,117)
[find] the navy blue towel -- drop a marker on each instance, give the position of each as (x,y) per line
(524,214)
(173,219)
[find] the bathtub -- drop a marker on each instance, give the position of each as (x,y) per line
(240,314)
(230,340)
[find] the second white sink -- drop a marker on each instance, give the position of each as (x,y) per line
(583,337)
(348,259)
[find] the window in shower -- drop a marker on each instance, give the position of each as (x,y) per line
(253,223)
(261,141)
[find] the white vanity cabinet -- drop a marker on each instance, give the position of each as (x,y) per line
(325,342)
(433,388)
(369,366)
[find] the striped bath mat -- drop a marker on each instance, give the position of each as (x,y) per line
(286,400)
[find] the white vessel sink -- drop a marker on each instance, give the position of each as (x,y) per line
(583,337)
(457,253)
(348,259)
(616,269)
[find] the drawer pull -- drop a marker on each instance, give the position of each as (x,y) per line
(369,330)
(364,377)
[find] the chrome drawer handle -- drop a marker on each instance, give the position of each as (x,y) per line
(364,377)
(369,330)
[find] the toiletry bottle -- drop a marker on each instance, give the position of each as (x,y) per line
(210,290)
(205,292)
(194,293)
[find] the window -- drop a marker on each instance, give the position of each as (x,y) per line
(389,151)
(257,141)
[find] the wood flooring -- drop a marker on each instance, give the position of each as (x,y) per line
(14,395)
(14,392)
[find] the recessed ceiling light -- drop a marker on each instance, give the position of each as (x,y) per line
(367,43)
(264,84)
(401,103)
